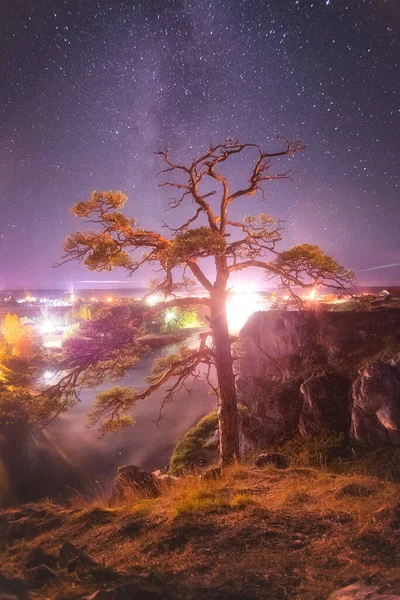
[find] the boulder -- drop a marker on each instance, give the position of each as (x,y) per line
(168,480)
(13,588)
(280,461)
(375,417)
(131,480)
(360,590)
(212,473)
(286,344)
(272,414)
(280,345)
(325,409)
(38,556)
(41,575)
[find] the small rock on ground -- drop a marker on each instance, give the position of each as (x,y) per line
(280,461)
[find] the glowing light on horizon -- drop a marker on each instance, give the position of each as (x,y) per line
(152,300)
(239,307)
(312,295)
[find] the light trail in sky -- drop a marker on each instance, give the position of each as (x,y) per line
(381,267)
(124,281)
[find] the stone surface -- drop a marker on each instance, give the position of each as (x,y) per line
(168,480)
(280,350)
(16,588)
(325,409)
(42,574)
(273,410)
(131,479)
(284,344)
(364,591)
(280,461)
(212,473)
(375,418)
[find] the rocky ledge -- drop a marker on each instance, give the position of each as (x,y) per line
(320,373)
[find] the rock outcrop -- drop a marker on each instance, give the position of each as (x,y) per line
(286,344)
(273,410)
(288,381)
(361,590)
(132,481)
(325,409)
(375,418)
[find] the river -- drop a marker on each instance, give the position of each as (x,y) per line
(68,456)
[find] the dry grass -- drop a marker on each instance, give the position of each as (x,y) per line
(253,533)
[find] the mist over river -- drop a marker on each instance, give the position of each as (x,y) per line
(67,456)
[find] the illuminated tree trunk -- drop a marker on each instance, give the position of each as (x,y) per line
(227,400)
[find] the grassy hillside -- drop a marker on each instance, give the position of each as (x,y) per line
(255,533)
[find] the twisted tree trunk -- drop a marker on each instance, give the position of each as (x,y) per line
(227,399)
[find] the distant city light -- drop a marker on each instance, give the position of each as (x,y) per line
(48,375)
(47,327)
(169,315)
(53,343)
(152,300)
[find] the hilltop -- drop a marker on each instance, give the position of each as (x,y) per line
(269,533)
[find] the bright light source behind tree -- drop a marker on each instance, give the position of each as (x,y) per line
(239,307)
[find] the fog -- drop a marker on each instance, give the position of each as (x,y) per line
(67,457)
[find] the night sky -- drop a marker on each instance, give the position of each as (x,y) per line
(91,89)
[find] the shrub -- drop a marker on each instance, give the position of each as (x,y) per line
(192,450)
(315,452)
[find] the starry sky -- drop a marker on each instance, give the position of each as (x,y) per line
(90,89)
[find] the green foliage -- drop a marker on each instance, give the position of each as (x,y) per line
(194,243)
(13,407)
(175,319)
(100,202)
(163,363)
(314,452)
(312,262)
(109,405)
(192,450)
(105,254)
(201,501)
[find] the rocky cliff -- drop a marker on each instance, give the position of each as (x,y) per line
(320,373)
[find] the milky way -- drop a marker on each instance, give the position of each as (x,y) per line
(91,89)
